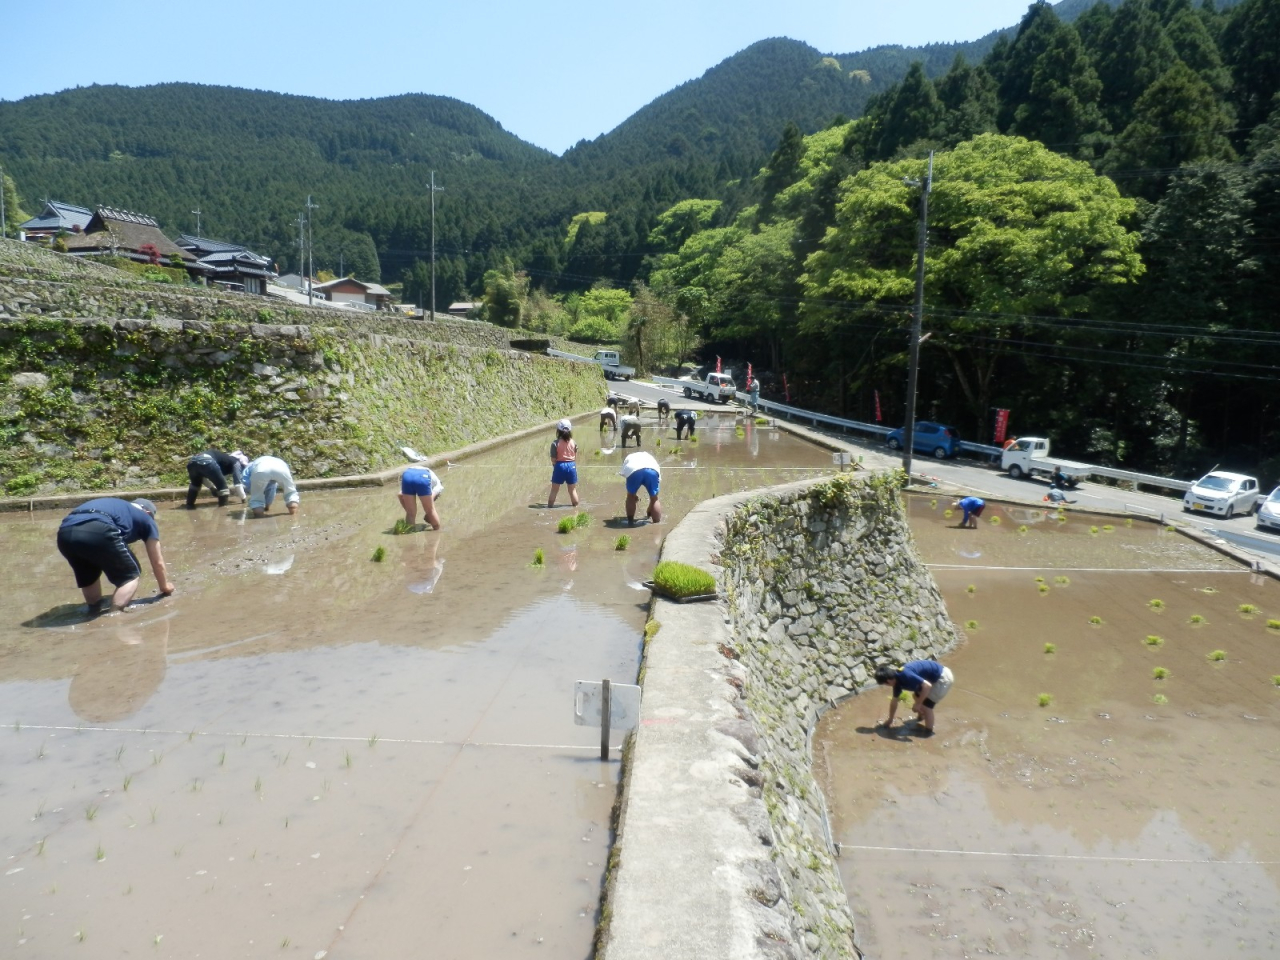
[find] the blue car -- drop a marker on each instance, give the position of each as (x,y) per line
(933,438)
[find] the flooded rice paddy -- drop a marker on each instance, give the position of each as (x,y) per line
(1130,815)
(306,753)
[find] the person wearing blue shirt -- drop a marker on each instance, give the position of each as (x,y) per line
(94,539)
(928,680)
(972,507)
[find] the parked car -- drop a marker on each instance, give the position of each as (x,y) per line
(1268,516)
(1222,493)
(934,438)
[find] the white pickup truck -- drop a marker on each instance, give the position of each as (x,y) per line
(608,360)
(716,388)
(1029,456)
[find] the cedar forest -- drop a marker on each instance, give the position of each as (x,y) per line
(1103,242)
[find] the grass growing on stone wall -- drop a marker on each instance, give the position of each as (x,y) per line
(681,580)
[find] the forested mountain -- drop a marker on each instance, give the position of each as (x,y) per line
(735,207)
(1104,240)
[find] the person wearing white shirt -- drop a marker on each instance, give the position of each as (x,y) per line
(641,470)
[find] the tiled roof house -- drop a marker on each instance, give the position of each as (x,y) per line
(230,264)
(57,218)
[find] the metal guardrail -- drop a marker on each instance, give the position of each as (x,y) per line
(981,449)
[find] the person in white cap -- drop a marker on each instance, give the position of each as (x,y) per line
(94,539)
(641,470)
(564,463)
(218,471)
(262,478)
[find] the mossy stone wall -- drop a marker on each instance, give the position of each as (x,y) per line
(90,403)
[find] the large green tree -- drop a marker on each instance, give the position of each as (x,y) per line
(1017,232)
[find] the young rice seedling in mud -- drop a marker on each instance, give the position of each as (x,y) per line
(566,525)
(101,854)
(948,514)
(1128,521)
(971,589)
(373,740)
(539,558)
(995,521)
(1155,604)
(1217,656)
(622,542)
(1247,609)
(1050,648)
(1273,624)
(971,624)
(1159,699)
(1043,588)
(1095,621)
(1275,678)
(1023,529)
(1108,528)
(1093,531)
(1045,699)
(1160,673)
(1153,640)
(1039,579)
(90,812)
(379,554)
(1062,581)
(1195,620)
(127,780)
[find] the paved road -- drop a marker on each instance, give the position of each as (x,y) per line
(979,478)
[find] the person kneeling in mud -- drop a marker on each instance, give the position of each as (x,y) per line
(630,428)
(420,484)
(266,476)
(928,680)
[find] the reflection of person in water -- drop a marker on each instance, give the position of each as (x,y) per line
(119,672)
(929,680)
(428,568)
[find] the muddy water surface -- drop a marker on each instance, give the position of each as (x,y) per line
(306,751)
(1130,816)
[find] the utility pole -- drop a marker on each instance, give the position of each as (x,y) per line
(302,249)
(917,320)
(4,223)
(434,188)
(311,248)
(196,211)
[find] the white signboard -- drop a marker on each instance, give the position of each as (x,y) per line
(624,704)
(842,459)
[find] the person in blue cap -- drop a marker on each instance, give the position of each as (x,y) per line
(94,539)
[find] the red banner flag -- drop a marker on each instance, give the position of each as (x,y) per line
(717,363)
(748,375)
(878,417)
(1002,425)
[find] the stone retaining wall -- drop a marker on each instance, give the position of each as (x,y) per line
(87,402)
(722,848)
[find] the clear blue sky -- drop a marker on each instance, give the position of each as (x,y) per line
(551,73)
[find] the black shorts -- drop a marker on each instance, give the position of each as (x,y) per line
(94,548)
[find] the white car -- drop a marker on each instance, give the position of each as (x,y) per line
(1221,493)
(1268,516)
